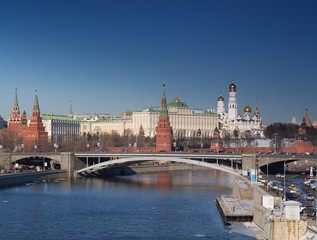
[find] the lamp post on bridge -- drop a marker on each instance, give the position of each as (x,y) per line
(267,173)
(275,135)
(284,189)
(55,147)
(43,163)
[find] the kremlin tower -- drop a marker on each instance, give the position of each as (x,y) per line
(14,122)
(164,129)
(33,132)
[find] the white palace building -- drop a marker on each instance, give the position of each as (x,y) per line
(185,121)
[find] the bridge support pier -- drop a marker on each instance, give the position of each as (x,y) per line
(249,166)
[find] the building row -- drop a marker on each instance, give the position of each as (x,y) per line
(185,121)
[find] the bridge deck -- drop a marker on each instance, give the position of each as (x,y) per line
(235,210)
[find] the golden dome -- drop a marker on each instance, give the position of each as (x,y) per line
(221,98)
(176,99)
(232,87)
(247,109)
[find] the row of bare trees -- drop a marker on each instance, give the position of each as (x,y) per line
(10,141)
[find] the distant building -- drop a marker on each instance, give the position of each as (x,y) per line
(61,128)
(293,120)
(3,123)
(306,120)
(231,123)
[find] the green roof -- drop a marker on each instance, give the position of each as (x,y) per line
(51,116)
(177,103)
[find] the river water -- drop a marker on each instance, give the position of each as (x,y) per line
(166,205)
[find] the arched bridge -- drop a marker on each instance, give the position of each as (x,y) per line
(227,163)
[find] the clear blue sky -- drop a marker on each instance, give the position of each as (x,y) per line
(111,56)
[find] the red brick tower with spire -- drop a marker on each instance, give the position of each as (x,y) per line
(14,122)
(35,132)
(164,129)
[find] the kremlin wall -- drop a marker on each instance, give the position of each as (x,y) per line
(171,121)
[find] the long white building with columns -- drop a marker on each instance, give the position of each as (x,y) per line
(185,122)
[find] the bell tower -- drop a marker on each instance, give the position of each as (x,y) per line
(232,103)
(164,129)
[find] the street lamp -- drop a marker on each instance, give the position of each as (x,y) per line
(201,138)
(296,135)
(55,147)
(275,135)
(267,173)
(284,189)
(316,199)
(43,163)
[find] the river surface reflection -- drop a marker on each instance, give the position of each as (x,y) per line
(166,205)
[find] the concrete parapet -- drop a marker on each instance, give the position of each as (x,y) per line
(282,228)
(242,190)
(261,208)
(311,233)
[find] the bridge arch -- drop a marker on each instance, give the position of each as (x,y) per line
(34,161)
(93,169)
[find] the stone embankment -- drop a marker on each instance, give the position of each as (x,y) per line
(11,179)
(276,219)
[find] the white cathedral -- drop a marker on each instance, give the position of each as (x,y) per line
(232,124)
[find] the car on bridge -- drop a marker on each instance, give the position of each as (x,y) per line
(278,186)
(310,197)
(291,196)
(262,179)
(279,175)
(308,181)
(309,211)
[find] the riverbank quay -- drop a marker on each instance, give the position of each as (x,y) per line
(279,219)
(275,218)
(11,179)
